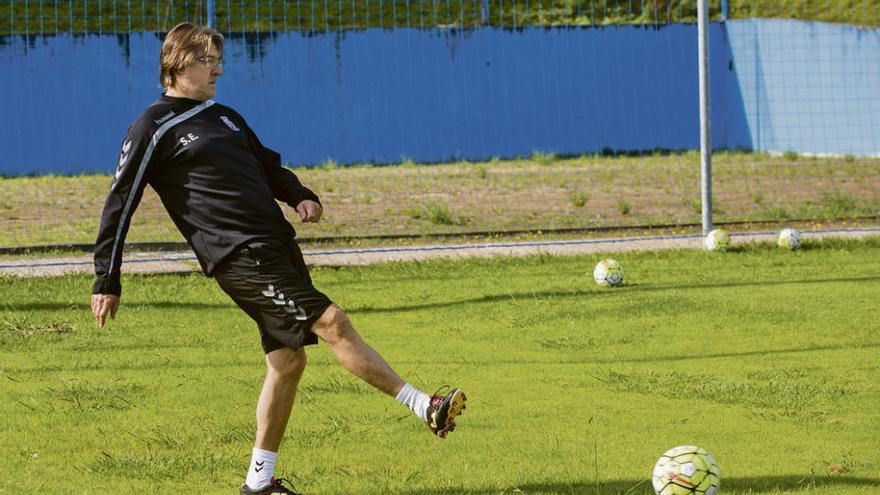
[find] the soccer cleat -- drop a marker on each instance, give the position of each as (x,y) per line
(443,410)
(275,488)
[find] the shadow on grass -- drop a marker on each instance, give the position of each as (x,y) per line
(755,485)
(165,364)
(603,293)
(124,305)
(764,352)
(511,296)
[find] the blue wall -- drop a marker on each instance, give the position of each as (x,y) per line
(430,95)
(809,87)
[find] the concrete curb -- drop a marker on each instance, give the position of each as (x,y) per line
(186,261)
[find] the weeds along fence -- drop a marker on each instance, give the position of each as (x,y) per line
(428,116)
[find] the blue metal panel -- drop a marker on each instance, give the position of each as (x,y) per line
(809,87)
(431,95)
(70,99)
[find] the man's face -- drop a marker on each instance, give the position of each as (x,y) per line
(199,80)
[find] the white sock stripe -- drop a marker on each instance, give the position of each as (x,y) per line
(405,393)
(265,454)
(414,399)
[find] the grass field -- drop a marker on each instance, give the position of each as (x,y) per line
(768,359)
(542,191)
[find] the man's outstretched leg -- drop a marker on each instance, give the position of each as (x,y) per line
(360,359)
(284,369)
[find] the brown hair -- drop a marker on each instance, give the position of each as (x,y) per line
(182,45)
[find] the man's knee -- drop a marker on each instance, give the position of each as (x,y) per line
(287,363)
(333,325)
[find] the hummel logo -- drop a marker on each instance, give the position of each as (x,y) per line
(259,466)
(164,118)
(289,304)
(229,123)
(123,157)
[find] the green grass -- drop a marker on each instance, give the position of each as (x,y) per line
(436,212)
(766,358)
(109,16)
(579,199)
(540,192)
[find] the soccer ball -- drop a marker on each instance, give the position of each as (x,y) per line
(717,240)
(686,470)
(789,239)
(608,273)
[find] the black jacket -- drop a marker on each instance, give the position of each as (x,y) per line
(214,177)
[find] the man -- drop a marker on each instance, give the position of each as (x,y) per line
(219,185)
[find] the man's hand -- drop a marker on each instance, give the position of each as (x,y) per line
(309,211)
(102,304)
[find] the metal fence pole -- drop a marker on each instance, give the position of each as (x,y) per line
(724,10)
(705,116)
(210,20)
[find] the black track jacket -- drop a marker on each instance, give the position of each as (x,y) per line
(215,178)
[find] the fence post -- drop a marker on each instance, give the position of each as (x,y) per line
(705,116)
(210,20)
(485,12)
(723,10)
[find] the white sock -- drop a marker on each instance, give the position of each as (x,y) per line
(414,399)
(262,469)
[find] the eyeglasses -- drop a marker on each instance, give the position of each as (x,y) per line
(211,62)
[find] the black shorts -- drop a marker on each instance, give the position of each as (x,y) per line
(270,281)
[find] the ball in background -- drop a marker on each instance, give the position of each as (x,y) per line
(717,240)
(789,239)
(608,273)
(686,470)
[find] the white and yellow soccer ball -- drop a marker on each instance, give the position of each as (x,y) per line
(608,273)
(686,470)
(789,239)
(717,240)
